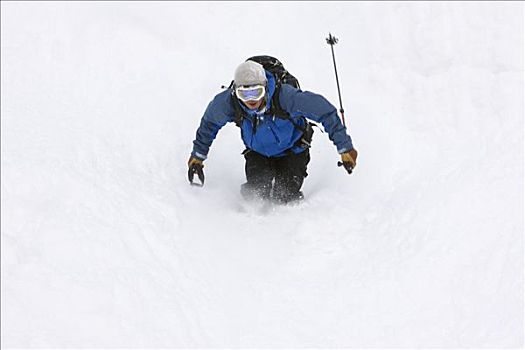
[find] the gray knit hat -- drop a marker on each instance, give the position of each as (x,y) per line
(249,73)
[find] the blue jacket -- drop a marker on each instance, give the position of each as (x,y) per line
(273,136)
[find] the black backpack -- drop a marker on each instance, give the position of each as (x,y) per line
(274,66)
(282,76)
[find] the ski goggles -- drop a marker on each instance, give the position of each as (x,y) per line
(250,93)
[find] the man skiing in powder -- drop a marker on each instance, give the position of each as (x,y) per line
(272,117)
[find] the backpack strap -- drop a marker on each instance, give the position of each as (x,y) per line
(275,110)
(238,113)
(279,112)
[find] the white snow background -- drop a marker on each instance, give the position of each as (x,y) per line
(104,243)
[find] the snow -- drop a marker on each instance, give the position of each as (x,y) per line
(105,245)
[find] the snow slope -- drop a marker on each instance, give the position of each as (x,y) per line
(104,244)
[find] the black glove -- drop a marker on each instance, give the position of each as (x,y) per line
(195,167)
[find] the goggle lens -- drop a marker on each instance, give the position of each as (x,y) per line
(250,93)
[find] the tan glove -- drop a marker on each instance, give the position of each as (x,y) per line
(350,157)
(194,161)
(348,160)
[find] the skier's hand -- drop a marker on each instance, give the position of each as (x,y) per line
(195,167)
(349,160)
(194,161)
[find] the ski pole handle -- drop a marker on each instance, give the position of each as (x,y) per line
(347,167)
(196,169)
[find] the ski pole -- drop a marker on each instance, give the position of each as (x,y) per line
(196,169)
(332,40)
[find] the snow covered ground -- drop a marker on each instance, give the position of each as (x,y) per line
(104,244)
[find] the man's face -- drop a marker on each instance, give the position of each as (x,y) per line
(253,104)
(252,96)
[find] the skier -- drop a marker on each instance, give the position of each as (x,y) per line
(271,116)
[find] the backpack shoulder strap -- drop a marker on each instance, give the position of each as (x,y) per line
(276,108)
(238,113)
(279,112)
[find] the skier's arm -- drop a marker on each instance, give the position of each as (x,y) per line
(318,109)
(217,114)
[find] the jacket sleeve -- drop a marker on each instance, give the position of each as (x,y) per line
(217,114)
(317,108)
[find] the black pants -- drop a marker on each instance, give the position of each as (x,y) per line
(283,175)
